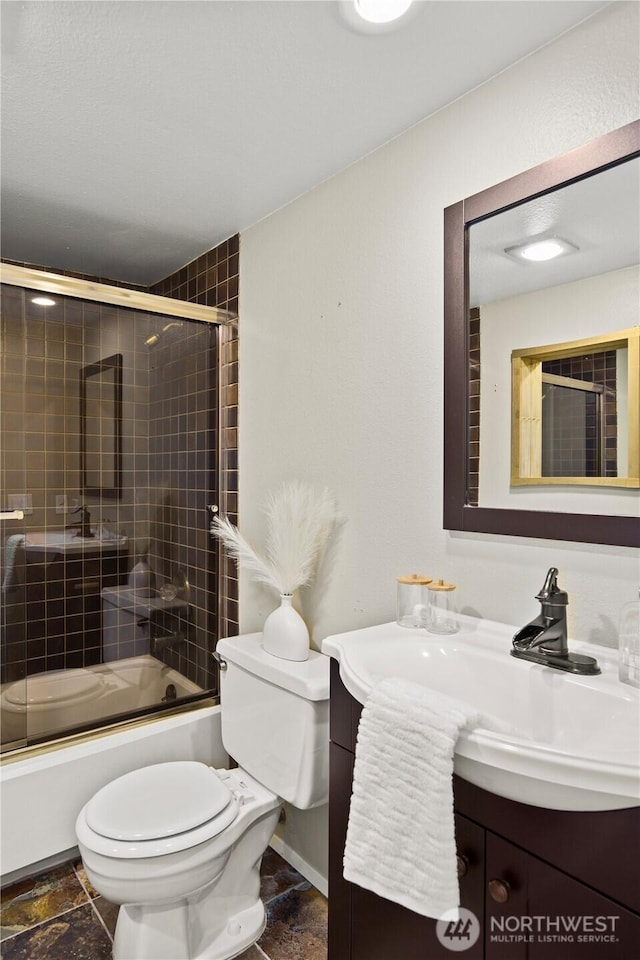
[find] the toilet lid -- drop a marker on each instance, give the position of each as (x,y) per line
(158,801)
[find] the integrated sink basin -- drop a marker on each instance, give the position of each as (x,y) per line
(573,742)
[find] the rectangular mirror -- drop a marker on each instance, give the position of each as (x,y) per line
(507,463)
(101,428)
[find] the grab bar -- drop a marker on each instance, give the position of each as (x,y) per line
(11,514)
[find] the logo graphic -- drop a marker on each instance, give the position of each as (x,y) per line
(458,930)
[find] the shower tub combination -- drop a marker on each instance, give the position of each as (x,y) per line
(86,703)
(85,727)
(48,704)
(43,791)
(42,794)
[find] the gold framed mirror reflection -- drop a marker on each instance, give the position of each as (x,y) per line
(575,411)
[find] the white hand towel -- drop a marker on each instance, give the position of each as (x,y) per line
(400,838)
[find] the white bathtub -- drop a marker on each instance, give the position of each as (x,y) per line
(42,794)
(48,704)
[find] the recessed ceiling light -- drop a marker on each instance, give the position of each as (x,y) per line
(538,251)
(376,16)
(381,11)
(43,301)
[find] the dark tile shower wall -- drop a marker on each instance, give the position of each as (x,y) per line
(212,279)
(183,436)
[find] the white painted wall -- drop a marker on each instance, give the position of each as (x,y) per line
(341,348)
(572,311)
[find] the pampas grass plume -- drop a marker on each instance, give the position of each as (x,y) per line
(244,554)
(300,521)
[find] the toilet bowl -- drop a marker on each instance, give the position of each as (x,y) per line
(179,844)
(164,841)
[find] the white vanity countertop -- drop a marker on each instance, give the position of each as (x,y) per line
(573,741)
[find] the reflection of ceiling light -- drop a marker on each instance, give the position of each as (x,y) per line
(381,11)
(540,250)
(43,301)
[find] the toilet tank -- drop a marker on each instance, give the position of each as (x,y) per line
(275,718)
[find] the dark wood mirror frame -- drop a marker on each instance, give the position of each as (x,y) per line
(113,492)
(600,154)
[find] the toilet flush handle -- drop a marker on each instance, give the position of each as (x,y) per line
(219,660)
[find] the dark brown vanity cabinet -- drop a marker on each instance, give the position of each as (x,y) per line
(544,884)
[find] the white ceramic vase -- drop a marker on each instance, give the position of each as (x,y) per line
(285,633)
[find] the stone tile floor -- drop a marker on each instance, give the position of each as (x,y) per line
(57,915)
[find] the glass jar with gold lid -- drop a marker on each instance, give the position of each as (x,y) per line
(442,611)
(412,600)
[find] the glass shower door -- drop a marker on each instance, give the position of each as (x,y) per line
(13,523)
(13,638)
(109,436)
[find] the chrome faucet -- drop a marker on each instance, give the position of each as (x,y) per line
(544,639)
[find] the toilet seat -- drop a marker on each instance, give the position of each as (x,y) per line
(160,809)
(158,801)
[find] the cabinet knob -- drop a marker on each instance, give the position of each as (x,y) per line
(463,866)
(499,890)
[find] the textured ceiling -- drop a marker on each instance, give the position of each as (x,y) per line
(136,135)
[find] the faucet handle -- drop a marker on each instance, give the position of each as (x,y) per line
(550,592)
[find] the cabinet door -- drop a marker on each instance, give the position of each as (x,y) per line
(543,914)
(507,873)
(382,930)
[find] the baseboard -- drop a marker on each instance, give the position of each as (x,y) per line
(32,869)
(307,871)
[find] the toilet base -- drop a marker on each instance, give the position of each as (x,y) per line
(165,936)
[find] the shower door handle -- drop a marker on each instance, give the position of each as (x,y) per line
(11,514)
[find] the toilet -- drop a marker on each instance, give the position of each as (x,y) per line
(179,844)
